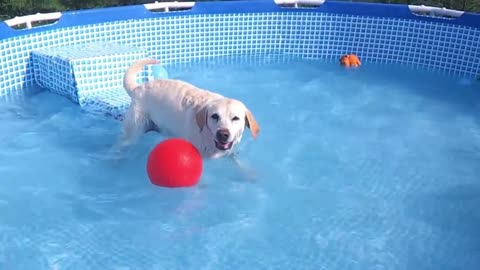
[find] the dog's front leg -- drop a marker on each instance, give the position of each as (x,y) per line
(246,171)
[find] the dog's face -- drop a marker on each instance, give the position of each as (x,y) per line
(225,120)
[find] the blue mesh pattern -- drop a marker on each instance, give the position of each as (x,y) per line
(112,102)
(444,47)
(77,71)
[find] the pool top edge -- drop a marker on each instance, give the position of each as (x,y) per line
(137,12)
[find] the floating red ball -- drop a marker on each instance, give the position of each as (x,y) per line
(174,163)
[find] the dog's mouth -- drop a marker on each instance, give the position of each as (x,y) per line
(223,146)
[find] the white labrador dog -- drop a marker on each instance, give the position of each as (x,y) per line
(212,122)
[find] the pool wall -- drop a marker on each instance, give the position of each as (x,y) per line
(377,33)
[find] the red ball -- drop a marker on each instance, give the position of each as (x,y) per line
(174,163)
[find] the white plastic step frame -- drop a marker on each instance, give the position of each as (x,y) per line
(420,10)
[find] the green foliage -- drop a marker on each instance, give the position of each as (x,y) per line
(466,5)
(12,8)
(86,4)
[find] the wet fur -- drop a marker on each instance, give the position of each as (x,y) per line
(183,110)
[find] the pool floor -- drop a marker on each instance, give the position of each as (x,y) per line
(372,168)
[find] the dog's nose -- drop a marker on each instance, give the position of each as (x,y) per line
(223,135)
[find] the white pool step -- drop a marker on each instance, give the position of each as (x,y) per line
(90,75)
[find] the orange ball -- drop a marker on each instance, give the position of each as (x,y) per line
(350,60)
(174,163)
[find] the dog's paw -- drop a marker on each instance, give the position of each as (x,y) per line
(247,172)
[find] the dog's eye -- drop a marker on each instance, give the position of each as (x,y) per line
(235,118)
(215,116)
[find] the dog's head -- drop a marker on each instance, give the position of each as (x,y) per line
(224,121)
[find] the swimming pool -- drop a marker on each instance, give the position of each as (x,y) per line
(376,167)
(370,168)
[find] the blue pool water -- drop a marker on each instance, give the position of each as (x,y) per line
(375,168)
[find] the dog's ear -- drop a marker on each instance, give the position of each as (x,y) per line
(201,117)
(251,124)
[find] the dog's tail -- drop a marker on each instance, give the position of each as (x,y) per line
(130,77)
